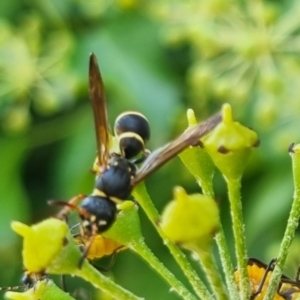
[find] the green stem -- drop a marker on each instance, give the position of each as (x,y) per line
(67,261)
(292,225)
(208,265)
(207,189)
(143,198)
(227,264)
(90,274)
(127,231)
(234,192)
(142,249)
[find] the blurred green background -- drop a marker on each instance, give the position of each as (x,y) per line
(160,58)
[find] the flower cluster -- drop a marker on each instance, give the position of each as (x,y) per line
(242,52)
(39,86)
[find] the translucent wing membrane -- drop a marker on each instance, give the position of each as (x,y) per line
(162,155)
(97,95)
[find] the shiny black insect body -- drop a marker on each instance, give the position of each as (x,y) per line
(117,173)
(115,181)
(133,131)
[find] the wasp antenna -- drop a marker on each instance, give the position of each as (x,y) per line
(68,206)
(86,251)
(13,288)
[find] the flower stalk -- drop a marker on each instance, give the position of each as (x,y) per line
(200,165)
(229,146)
(127,231)
(141,195)
(239,235)
(207,263)
(292,225)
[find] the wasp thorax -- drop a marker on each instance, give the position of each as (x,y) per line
(133,131)
(102,213)
(116,180)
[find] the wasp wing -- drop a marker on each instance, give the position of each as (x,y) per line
(97,96)
(162,155)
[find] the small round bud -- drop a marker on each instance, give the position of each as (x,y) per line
(190,219)
(42,242)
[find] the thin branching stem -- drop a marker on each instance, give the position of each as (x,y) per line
(292,225)
(207,189)
(207,263)
(143,198)
(90,274)
(234,192)
(142,249)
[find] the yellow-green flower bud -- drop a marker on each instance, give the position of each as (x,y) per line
(200,75)
(48,247)
(42,242)
(196,159)
(16,120)
(190,220)
(230,144)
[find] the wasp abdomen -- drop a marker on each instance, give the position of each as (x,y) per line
(102,213)
(133,131)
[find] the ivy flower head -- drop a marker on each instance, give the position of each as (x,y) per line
(242,53)
(34,72)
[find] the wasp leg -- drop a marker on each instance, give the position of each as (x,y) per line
(142,158)
(63,283)
(269,268)
(88,246)
(70,205)
(103,269)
